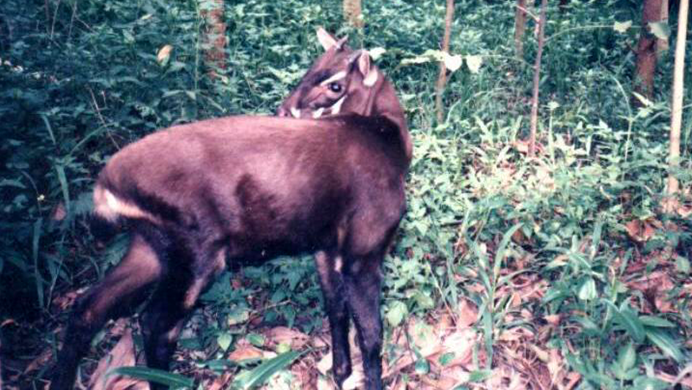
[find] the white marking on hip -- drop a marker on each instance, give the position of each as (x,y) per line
(109,207)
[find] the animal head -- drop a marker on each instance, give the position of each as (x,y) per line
(341,81)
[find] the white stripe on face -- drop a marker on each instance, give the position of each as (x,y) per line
(318,113)
(336,77)
(337,106)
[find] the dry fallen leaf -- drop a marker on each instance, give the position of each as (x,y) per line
(122,355)
(640,231)
(553,319)
(244,351)
(219,383)
(284,335)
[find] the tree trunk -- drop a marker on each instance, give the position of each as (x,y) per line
(519,28)
(537,79)
(678,76)
(646,51)
(214,36)
(442,78)
(353,12)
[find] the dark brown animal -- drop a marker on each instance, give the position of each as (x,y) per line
(200,195)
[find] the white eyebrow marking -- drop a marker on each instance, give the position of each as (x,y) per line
(336,107)
(336,77)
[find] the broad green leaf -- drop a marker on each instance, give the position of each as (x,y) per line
(36,239)
(660,29)
(474,63)
(446,358)
(656,322)
(397,312)
(64,187)
(259,374)
(422,366)
(587,290)
(643,100)
(627,356)
(452,62)
(500,254)
(622,27)
(479,375)
(648,383)
(256,339)
(682,265)
(169,379)
(586,323)
(377,52)
(224,340)
(629,319)
(662,340)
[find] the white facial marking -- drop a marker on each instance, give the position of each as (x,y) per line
(295,112)
(336,77)
(337,106)
(318,113)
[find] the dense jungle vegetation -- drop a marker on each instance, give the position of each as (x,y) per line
(559,271)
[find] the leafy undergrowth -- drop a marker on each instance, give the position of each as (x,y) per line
(569,270)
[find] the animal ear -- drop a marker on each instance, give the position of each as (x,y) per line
(326,39)
(366,69)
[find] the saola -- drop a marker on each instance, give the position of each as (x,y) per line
(200,195)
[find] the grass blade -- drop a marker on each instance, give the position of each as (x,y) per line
(169,379)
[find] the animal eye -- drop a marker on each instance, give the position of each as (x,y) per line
(335,87)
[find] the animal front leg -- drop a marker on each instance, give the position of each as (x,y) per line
(363,285)
(170,307)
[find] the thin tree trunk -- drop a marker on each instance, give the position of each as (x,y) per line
(519,28)
(214,36)
(537,79)
(353,12)
(678,76)
(646,51)
(442,78)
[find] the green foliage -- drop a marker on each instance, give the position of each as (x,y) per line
(256,376)
(173,381)
(81,79)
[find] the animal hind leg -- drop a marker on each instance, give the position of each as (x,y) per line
(171,304)
(123,288)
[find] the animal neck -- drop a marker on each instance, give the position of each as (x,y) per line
(384,102)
